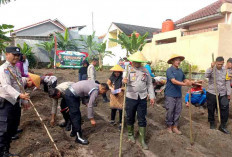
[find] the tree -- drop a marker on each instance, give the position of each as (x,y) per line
(48,47)
(131,43)
(64,43)
(27,51)
(4,29)
(101,50)
(89,44)
(4,2)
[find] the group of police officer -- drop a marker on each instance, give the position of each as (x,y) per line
(12,98)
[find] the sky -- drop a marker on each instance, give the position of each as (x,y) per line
(150,13)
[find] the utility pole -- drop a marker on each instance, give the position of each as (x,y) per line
(92,23)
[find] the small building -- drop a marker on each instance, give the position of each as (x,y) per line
(114,30)
(40,32)
(196,36)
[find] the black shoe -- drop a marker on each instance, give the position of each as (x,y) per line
(212,125)
(6,153)
(72,134)
(19,131)
(15,137)
(120,127)
(68,126)
(105,101)
(63,124)
(223,129)
(112,122)
(80,140)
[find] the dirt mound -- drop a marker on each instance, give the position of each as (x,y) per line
(104,138)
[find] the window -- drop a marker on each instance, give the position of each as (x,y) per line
(166,41)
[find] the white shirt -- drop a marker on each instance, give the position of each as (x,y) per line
(25,67)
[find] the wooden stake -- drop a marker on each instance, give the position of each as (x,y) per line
(123,114)
(190,106)
(37,113)
(216,90)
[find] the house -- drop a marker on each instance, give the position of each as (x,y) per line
(196,36)
(114,30)
(40,32)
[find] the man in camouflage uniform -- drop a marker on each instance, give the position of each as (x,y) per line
(139,85)
(10,100)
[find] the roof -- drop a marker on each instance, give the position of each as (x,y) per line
(102,36)
(55,22)
(129,29)
(209,10)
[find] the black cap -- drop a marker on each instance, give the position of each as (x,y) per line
(14,50)
(229,60)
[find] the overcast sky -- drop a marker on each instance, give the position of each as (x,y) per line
(149,13)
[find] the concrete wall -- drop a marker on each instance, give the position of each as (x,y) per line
(40,30)
(225,40)
(197,48)
(41,55)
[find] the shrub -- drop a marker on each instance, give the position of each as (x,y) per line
(27,51)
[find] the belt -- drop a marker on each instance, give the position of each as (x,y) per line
(73,91)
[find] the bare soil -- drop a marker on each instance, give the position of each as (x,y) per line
(104,138)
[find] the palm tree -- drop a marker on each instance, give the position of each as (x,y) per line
(4,29)
(4,2)
(131,43)
(101,50)
(64,43)
(48,47)
(89,44)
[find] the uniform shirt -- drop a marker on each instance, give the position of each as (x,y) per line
(87,88)
(61,87)
(171,89)
(91,72)
(139,84)
(9,88)
(49,79)
(223,85)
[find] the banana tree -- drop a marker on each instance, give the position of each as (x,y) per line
(131,43)
(48,47)
(101,50)
(4,2)
(64,43)
(89,44)
(27,51)
(4,29)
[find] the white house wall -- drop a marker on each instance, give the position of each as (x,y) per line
(117,50)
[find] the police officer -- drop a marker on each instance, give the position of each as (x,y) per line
(73,96)
(139,85)
(10,99)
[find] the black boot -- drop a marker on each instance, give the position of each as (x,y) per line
(1,151)
(212,125)
(223,129)
(105,100)
(19,131)
(63,124)
(72,134)
(6,152)
(80,140)
(15,137)
(68,126)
